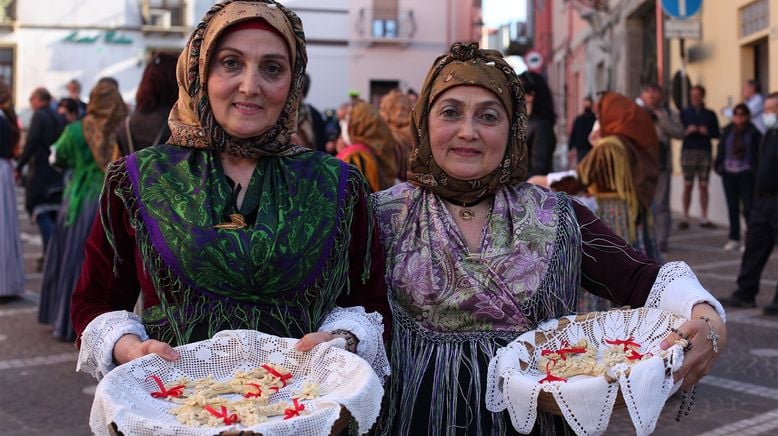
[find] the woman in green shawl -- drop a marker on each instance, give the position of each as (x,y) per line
(83,150)
(230,225)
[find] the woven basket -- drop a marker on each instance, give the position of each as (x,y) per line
(514,374)
(338,428)
(547,403)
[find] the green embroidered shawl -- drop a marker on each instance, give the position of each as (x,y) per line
(72,152)
(280,275)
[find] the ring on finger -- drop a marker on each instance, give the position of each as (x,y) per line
(678,332)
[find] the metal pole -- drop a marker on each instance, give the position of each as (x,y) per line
(660,45)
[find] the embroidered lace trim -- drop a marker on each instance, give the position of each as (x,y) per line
(368,328)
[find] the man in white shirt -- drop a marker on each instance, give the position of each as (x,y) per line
(752,97)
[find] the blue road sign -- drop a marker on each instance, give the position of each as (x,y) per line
(681,8)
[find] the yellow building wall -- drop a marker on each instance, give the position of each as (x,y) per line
(727,60)
(726,64)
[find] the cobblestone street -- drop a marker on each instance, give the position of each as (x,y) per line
(40,392)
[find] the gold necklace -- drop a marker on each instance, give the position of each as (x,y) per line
(466,213)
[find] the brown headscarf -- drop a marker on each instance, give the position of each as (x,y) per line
(366,127)
(622,117)
(395,109)
(191,121)
(466,64)
(106,109)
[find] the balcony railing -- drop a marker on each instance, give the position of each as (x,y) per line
(377,26)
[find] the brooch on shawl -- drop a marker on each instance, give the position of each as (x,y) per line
(236,222)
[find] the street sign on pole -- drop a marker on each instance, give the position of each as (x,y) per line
(689,29)
(534,60)
(681,9)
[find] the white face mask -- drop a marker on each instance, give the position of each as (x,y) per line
(770,120)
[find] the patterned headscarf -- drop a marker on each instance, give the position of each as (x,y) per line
(395,109)
(106,109)
(466,64)
(621,116)
(366,127)
(191,121)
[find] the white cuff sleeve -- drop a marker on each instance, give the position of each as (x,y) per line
(677,290)
(368,328)
(99,338)
(559,175)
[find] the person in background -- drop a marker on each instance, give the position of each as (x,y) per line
(84,149)
(74,91)
(43,184)
(582,126)
(541,139)
(369,145)
(68,109)
(736,162)
(621,173)
(354,96)
(700,126)
(668,126)
(395,109)
(475,257)
(311,128)
(413,96)
(230,225)
(762,230)
(752,97)
(12,279)
(156,95)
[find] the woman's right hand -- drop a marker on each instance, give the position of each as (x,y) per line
(130,347)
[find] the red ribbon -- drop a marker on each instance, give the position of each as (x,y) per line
(563,352)
(291,413)
(227,418)
(626,342)
(634,355)
(175,391)
(282,377)
(551,377)
(253,394)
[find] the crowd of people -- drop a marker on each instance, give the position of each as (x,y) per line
(427,231)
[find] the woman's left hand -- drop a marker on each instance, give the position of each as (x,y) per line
(699,360)
(313,339)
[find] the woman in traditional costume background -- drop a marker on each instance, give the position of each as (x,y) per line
(395,109)
(230,225)
(621,173)
(369,146)
(11,260)
(155,97)
(475,257)
(85,149)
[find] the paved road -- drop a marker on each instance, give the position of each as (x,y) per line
(41,394)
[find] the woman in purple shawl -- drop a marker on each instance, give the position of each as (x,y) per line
(475,257)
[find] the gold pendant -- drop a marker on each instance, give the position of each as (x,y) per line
(466,213)
(236,222)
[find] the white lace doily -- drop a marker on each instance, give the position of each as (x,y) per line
(123,396)
(586,403)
